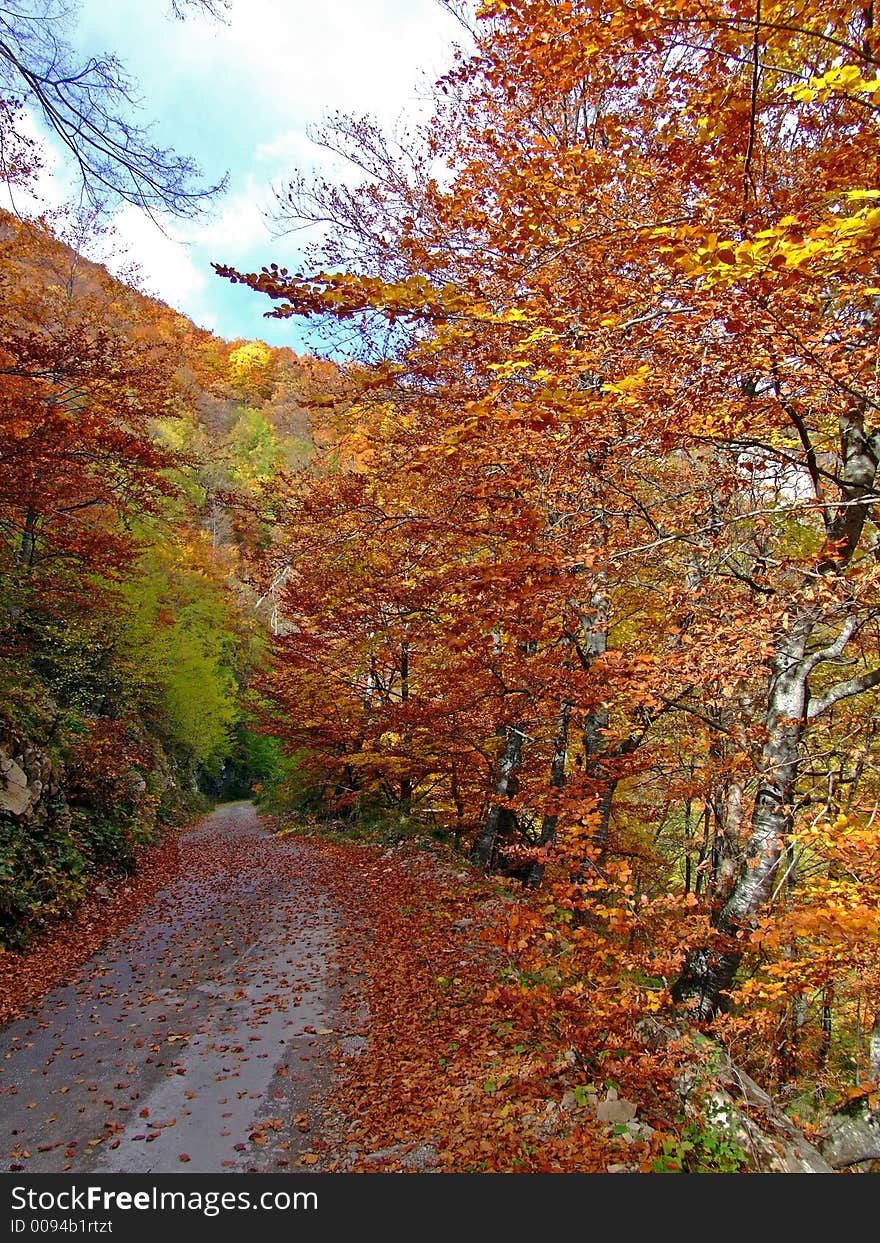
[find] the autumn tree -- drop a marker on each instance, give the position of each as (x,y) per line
(80,390)
(625,291)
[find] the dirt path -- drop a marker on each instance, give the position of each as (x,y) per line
(197,1040)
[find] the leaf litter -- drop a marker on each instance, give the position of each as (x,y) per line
(320,1004)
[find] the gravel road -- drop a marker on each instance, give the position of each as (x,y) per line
(199,1039)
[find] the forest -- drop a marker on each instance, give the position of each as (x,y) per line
(555,569)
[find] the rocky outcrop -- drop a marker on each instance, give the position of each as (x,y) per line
(28,779)
(719,1096)
(850,1138)
(16,795)
(77,804)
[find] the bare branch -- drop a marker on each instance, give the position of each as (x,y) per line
(834,650)
(214,8)
(90,108)
(843,690)
(748,180)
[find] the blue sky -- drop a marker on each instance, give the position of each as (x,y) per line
(239,97)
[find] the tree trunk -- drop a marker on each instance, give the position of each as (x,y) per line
(794,1008)
(404,799)
(508,765)
(457,803)
(345,794)
(827,1027)
(28,548)
(708,974)
(874,1049)
(725,852)
(557,782)
(406,785)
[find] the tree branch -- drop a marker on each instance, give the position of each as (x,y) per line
(843,690)
(834,650)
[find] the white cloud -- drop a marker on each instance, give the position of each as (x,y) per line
(129,243)
(291,148)
(164,261)
(305,60)
(243,96)
(240,224)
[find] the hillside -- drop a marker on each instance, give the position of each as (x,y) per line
(132,448)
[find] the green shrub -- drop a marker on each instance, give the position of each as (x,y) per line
(43,875)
